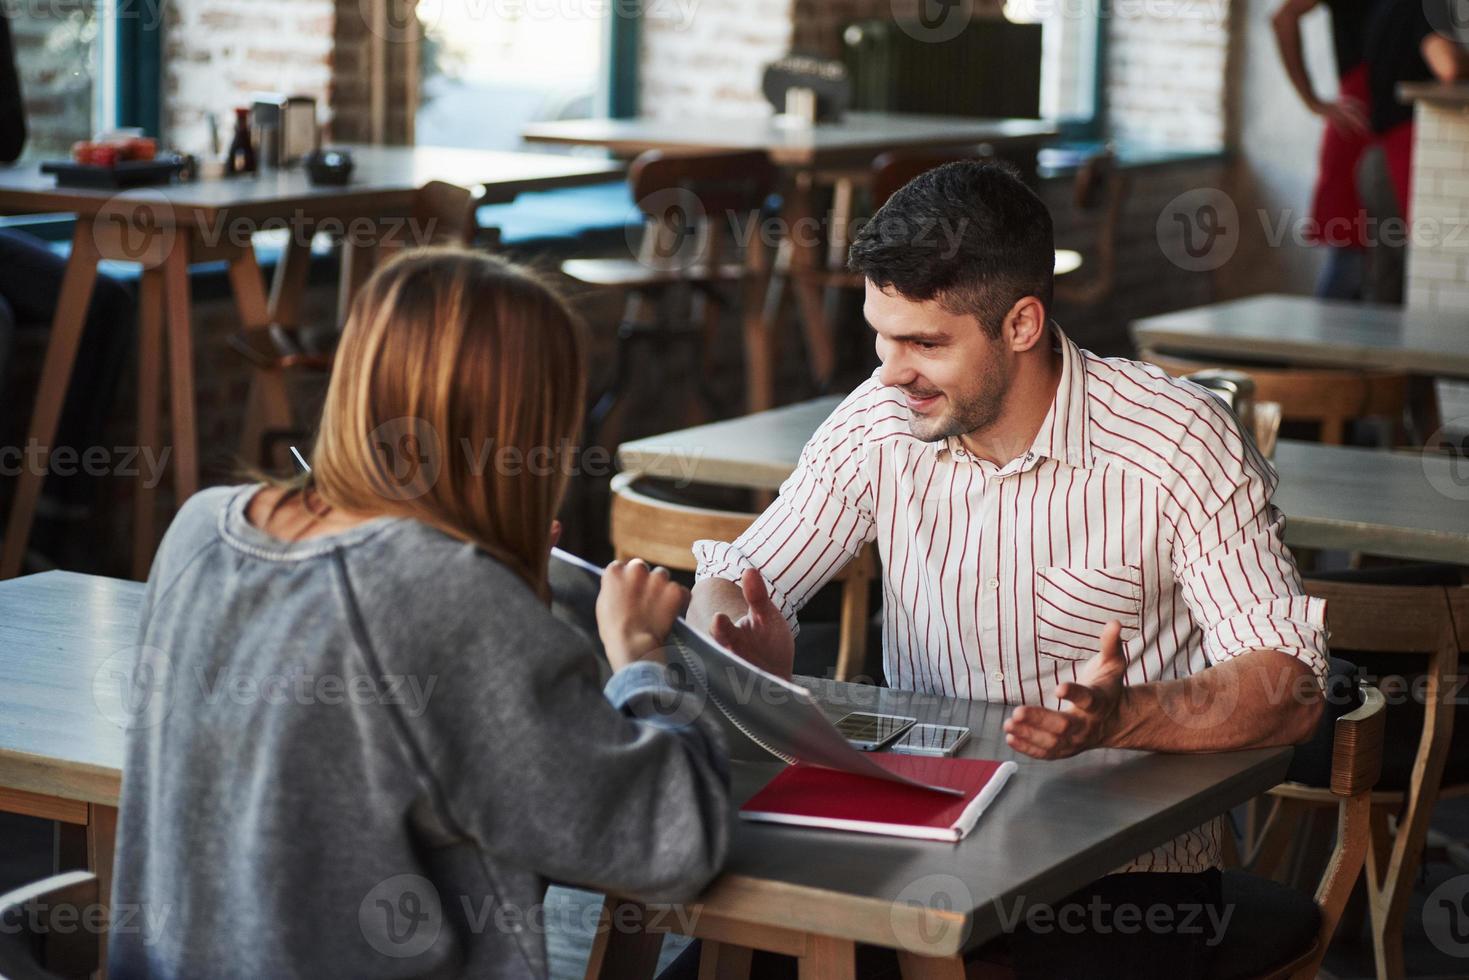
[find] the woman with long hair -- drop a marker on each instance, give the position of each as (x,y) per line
(360,744)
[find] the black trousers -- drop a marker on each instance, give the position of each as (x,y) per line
(30,288)
(1135,926)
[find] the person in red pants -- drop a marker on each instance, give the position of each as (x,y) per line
(1338,218)
(1407,43)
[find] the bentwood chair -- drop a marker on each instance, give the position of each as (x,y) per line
(1327,399)
(663,533)
(443,214)
(1274,931)
(43,929)
(686,275)
(1409,635)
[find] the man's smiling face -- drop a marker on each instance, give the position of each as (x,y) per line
(953,374)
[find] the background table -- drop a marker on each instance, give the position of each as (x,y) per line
(166,229)
(1321,333)
(848,146)
(67,643)
(855,140)
(1400,505)
(66,646)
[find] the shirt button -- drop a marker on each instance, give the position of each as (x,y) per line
(998,675)
(991,583)
(958,454)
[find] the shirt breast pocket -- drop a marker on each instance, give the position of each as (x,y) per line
(1073,604)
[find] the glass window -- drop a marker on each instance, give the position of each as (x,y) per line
(489,68)
(1069,30)
(58,57)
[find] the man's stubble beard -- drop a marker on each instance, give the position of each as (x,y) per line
(975,413)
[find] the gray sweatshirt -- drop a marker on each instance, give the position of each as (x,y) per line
(363,755)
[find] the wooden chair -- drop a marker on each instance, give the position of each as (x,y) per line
(45,934)
(1327,398)
(1101,189)
(443,214)
(663,533)
(1429,625)
(689,202)
(1276,932)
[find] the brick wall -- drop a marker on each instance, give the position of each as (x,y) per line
(1166,71)
(218,52)
(355,45)
(1438,259)
(710,64)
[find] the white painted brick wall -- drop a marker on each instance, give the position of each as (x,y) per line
(1438,258)
(221,51)
(1166,71)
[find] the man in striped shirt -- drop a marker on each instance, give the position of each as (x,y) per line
(1084,538)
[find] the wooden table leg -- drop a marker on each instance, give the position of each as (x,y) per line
(807,261)
(150,369)
(916,967)
(358,258)
(61,351)
(181,370)
(269,405)
(827,958)
(760,314)
(101,848)
(723,961)
(623,949)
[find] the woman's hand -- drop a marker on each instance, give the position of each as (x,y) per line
(635,610)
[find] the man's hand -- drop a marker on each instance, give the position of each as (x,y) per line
(1047,734)
(635,610)
(761,635)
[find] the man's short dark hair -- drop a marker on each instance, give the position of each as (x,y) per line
(969,234)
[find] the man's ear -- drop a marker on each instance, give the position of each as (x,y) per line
(1025,324)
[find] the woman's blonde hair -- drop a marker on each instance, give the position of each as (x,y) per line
(455,399)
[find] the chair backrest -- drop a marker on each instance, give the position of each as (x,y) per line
(52,928)
(897,167)
(663,533)
(719,182)
(1328,398)
(1101,186)
(448,210)
(690,199)
(443,214)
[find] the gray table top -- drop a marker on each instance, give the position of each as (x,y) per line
(1312,332)
(1401,505)
(1056,826)
(856,136)
(384,179)
(65,641)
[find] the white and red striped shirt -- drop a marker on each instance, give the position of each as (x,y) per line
(1138,501)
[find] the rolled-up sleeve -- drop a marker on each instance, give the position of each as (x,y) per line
(819,522)
(1239,579)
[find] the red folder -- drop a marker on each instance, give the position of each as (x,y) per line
(810,796)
